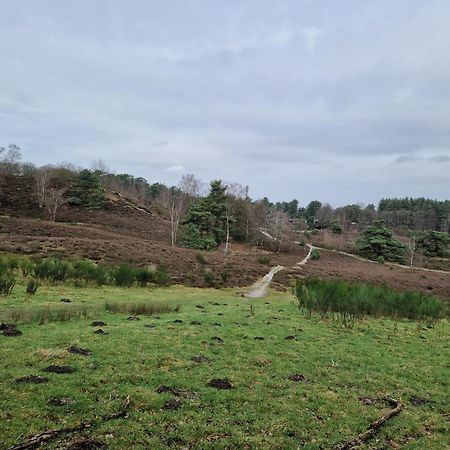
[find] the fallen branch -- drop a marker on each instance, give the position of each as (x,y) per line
(45,436)
(373,429)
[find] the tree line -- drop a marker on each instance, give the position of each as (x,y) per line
(206,217)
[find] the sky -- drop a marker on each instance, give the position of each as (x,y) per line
(342,101)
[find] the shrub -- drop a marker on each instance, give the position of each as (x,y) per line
(52,269)
(225,275)
(144,276)
(336,227)
(32,287)
(26,267)
(352,301)
(209,278)
(315,254)
(201,258)
(264,259)
(12,263)
(7,283)
(124,275)
(161,276)
(380,259)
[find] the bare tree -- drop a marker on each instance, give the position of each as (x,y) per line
(42,178)
(411,248)
(278,226)
(10,159)
(54,199)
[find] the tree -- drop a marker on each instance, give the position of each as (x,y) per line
(10,159)
(377,241)
(42,178)
(433,243)
(208,216)
(86,190)
(54,198)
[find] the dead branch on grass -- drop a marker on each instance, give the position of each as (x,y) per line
(372,430)
(46,436)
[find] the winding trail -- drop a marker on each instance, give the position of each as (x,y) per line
(259,289)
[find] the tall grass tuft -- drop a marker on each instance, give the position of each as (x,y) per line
(353,301)
(48,314)
(136,309)
(32,287)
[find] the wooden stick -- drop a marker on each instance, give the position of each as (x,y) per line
(45,436)
(372,430)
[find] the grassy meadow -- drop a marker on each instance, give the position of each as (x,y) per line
(346,375)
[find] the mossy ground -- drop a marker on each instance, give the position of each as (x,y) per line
(350,374)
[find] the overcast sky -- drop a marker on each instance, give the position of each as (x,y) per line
(343,101)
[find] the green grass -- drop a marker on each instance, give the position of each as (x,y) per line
(376,359)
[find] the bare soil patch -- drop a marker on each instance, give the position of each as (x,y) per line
(59,369)
(219,383)
(31,379)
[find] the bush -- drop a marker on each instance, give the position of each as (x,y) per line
(209,278)
(26,267)
(201,258)
(144,276)
(52,269)
(336,227)
(380,259)
(161,276)
(264,259)
(7,283)
(352,301)
(225,275)
(124,275)
(32,287)
(315,254)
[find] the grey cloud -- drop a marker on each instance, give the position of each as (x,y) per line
(295,98)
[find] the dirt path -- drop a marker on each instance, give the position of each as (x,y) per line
(402,266)
(259,289)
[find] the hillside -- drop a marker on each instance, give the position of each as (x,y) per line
(134,232)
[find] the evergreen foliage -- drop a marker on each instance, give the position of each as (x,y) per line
(377,240)
(87,191)
(205,221)
(433,243)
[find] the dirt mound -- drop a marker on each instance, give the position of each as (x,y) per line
(219,383)
(59,369)
(10,329)
(79,351)
(200,359)
(297,377)
(173,404)
(32,379)
(60,401)
(100,331)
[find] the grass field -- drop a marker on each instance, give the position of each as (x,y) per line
(349,374)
